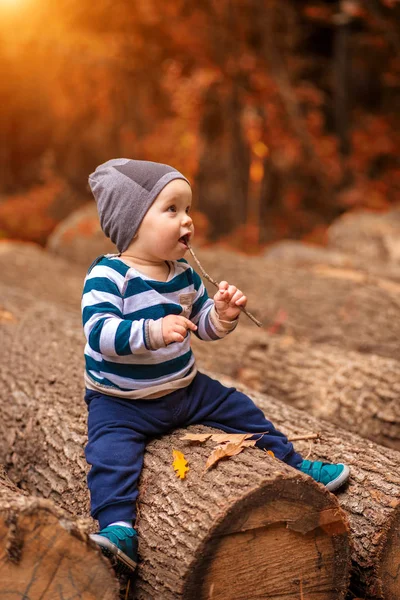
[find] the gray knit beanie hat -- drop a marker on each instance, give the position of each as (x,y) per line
(124,190)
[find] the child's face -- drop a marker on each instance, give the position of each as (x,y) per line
(160,234)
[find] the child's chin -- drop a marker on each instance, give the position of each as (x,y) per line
(182,252)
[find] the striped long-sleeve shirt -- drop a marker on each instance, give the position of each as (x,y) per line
(122,313)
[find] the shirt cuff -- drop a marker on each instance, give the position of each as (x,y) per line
(221,327)
(154,337)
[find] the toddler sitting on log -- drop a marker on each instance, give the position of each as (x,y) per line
(139,308)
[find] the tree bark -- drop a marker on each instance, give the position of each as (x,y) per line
(44,428)
(358,392)
(371,500)
(317,303)
(39,274)
(45,555)
(220,534)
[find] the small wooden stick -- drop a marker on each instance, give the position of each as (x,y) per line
(306,436)
(211,280)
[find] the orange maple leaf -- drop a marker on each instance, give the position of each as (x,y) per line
(180,464)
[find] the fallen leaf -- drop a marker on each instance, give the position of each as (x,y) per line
(180,464)
(271,453)
(227,450)
(220,438)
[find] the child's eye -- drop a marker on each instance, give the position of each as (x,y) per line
(188,210)
(171,208)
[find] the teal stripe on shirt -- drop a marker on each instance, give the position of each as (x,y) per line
(139,372)
(135,286)
(179,282)
(138,286)
(122,345)
(121,340)
(115,264)
(101,307)
(94,337)
(101,284)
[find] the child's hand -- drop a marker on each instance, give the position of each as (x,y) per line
(227,300)
(175,328)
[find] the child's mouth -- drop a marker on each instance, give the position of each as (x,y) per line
(184,239)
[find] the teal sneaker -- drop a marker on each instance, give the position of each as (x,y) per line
(120,544)
(330,475)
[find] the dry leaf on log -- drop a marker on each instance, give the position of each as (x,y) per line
(221,438)
(230,444)
(180,464)
(227,450)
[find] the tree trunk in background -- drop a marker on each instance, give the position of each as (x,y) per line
(356,391)
(190,530)
(46,556)
(222,179)
(317,303)
(341,76)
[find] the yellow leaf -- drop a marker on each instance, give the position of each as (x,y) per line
(271,453)
(180,464)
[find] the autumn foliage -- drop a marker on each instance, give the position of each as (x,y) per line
(283,114)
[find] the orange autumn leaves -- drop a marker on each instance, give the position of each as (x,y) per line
(228,445)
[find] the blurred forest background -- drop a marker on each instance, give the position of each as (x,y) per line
(284,113)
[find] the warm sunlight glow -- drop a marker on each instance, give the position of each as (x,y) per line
(11,4)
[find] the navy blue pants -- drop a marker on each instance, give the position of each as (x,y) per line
(118,430)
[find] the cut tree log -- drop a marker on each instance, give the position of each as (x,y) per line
(44,555)
(316,303)
(371,236)
(44,428)
(295,253)
(371,500)
(79,237)
(41,275)
(359,392)
(220,534)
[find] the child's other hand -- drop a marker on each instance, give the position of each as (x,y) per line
(175,328)
(227,300)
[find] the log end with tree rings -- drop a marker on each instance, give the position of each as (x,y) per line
(251,527)
(45,556)
(285,540)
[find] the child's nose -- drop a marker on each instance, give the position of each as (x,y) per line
(187,220)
